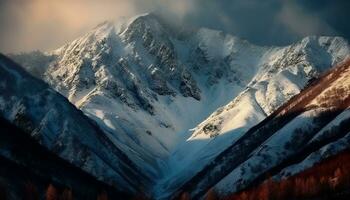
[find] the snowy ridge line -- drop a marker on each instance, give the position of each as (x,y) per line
(280,115)
(328,114)
(147,85)
(307,151)
(56,123)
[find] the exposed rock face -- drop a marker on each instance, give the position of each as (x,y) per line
(310,127)
(143,77)
(47,116)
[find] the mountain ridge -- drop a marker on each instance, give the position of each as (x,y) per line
(26,163)
(173,102)
(290,112)
(48,117)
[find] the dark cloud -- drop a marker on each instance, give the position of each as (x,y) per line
(271,22)
(335,13)
(41,24)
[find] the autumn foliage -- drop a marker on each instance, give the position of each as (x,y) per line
(211,195)
(327,179)
(102,196)
(185,196)
(51,193)
(67,194)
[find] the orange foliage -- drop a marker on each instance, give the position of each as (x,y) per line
(51,193)
(211,195)
(185,196)
(102,196)
(67,195)
(328,177)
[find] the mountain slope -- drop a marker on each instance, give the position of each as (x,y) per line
(311,126)
(327,180)
(24,162)
(173,100)
(33,106)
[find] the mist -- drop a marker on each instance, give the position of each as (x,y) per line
(28,25)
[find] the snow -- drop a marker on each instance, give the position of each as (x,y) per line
(109,74)
(131,20)
(58,125)
(315,157)
(268,154)
(323,132)
(278,147)
(2,103)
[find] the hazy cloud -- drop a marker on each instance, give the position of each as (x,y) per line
(276,22)
(300,22)
(40,24)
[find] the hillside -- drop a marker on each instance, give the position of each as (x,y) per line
(308,128)
(172,100)
(27,169)
(328,179)
(31,105)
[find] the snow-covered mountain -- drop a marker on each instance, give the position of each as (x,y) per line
(310,127)
(24,162)
(31,105)
(172,99)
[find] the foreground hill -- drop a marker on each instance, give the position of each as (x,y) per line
(31,105)
(308,128)
(327,180)
(28,169)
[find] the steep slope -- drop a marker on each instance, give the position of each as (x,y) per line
(311,126)
(25,163)
(30,61)
(173,100)
(48,117)
(327,180)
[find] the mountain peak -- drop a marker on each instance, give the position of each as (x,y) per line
(147,87)
(142,23)
(142,16)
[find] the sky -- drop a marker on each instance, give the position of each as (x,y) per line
(27,25)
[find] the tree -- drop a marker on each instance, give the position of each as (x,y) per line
(102,196)
(329,177)
(67,194)
(285,189)
(51,193)
(211,195)
(244,196)
(264,192)
(311,186)
(185,196)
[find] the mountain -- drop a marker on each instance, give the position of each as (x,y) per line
(31,105)
(328,179)
(27,169)
(310,127)
(171,99)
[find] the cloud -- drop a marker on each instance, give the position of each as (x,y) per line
(301,23)
(40,24)
(276,22)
